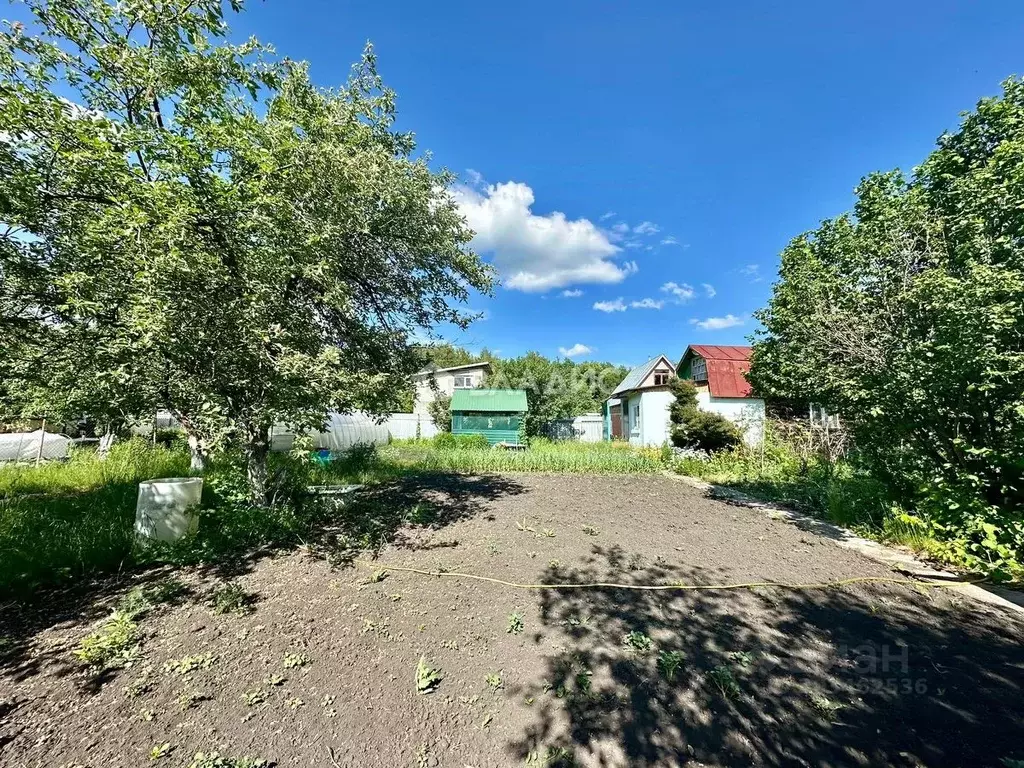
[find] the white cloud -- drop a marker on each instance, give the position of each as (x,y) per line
(647,304)
(670,240)
(534,252)
(610,306)
(474,178)
(709,289)
(606,216)
(753,272)
(646,228)
(718,323)
(575,350)
(621,228)
(573,294)
(682,292)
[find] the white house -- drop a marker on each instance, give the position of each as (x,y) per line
(447,380)
(720,375)
(638,409)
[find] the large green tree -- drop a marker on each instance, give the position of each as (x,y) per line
(907,318)
(192,224)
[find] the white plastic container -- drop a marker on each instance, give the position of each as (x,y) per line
(168,508)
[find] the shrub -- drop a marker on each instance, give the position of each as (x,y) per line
(440,410)
(472,441)
(444,440)
(693,428)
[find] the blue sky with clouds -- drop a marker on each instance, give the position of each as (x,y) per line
(634,169)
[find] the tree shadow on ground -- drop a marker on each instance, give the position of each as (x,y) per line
(388,513)
(864,676)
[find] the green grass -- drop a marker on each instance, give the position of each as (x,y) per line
(67,519)
(540,456)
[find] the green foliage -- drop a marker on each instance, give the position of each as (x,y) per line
(542,456)
(114,644)
(440,410)
(64,520)
(427,678)
(448,440)
(216,760)
(692,427)
(227,240)
(723,679)
(232,598)
(639,643)
(494,681)
(905,319)
(515,623)
(555,389)
(669,663)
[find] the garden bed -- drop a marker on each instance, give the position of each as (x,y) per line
(314,659)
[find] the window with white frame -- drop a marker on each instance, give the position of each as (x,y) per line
(660,378)
(464,381)
(699,369)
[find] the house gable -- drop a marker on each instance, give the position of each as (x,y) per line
(654,373)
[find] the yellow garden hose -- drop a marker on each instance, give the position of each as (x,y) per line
(681,587)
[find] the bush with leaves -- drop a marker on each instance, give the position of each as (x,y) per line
(440,410)
(693,428)
(906,317)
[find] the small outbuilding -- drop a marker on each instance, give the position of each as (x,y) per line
(497,414)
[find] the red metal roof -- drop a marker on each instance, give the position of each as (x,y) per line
(728,378)
(727,369)
(711,352)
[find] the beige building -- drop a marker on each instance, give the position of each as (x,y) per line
(447,380)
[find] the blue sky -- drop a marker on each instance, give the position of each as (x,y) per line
(614,149)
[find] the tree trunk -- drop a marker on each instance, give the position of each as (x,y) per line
(256,450)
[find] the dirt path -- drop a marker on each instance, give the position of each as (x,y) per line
(871,675)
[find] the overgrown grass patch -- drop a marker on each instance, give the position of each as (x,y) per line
(540,456)
(837,491)
(67,519)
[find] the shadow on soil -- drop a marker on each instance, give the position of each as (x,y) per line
(852,677)
(388,513)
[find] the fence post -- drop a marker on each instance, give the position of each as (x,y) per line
(42,440)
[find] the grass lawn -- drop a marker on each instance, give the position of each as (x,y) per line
(328,652)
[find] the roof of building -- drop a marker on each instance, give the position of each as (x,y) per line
(713,352)
(636,377)
(727,368)
(481,364)
(503,400)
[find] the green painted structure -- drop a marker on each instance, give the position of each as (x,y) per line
(497,414)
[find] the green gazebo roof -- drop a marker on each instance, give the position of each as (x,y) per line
(500,400)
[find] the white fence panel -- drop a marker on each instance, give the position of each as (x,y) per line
(406,426)
(588,428)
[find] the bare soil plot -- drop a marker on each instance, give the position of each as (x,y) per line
(322,670)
